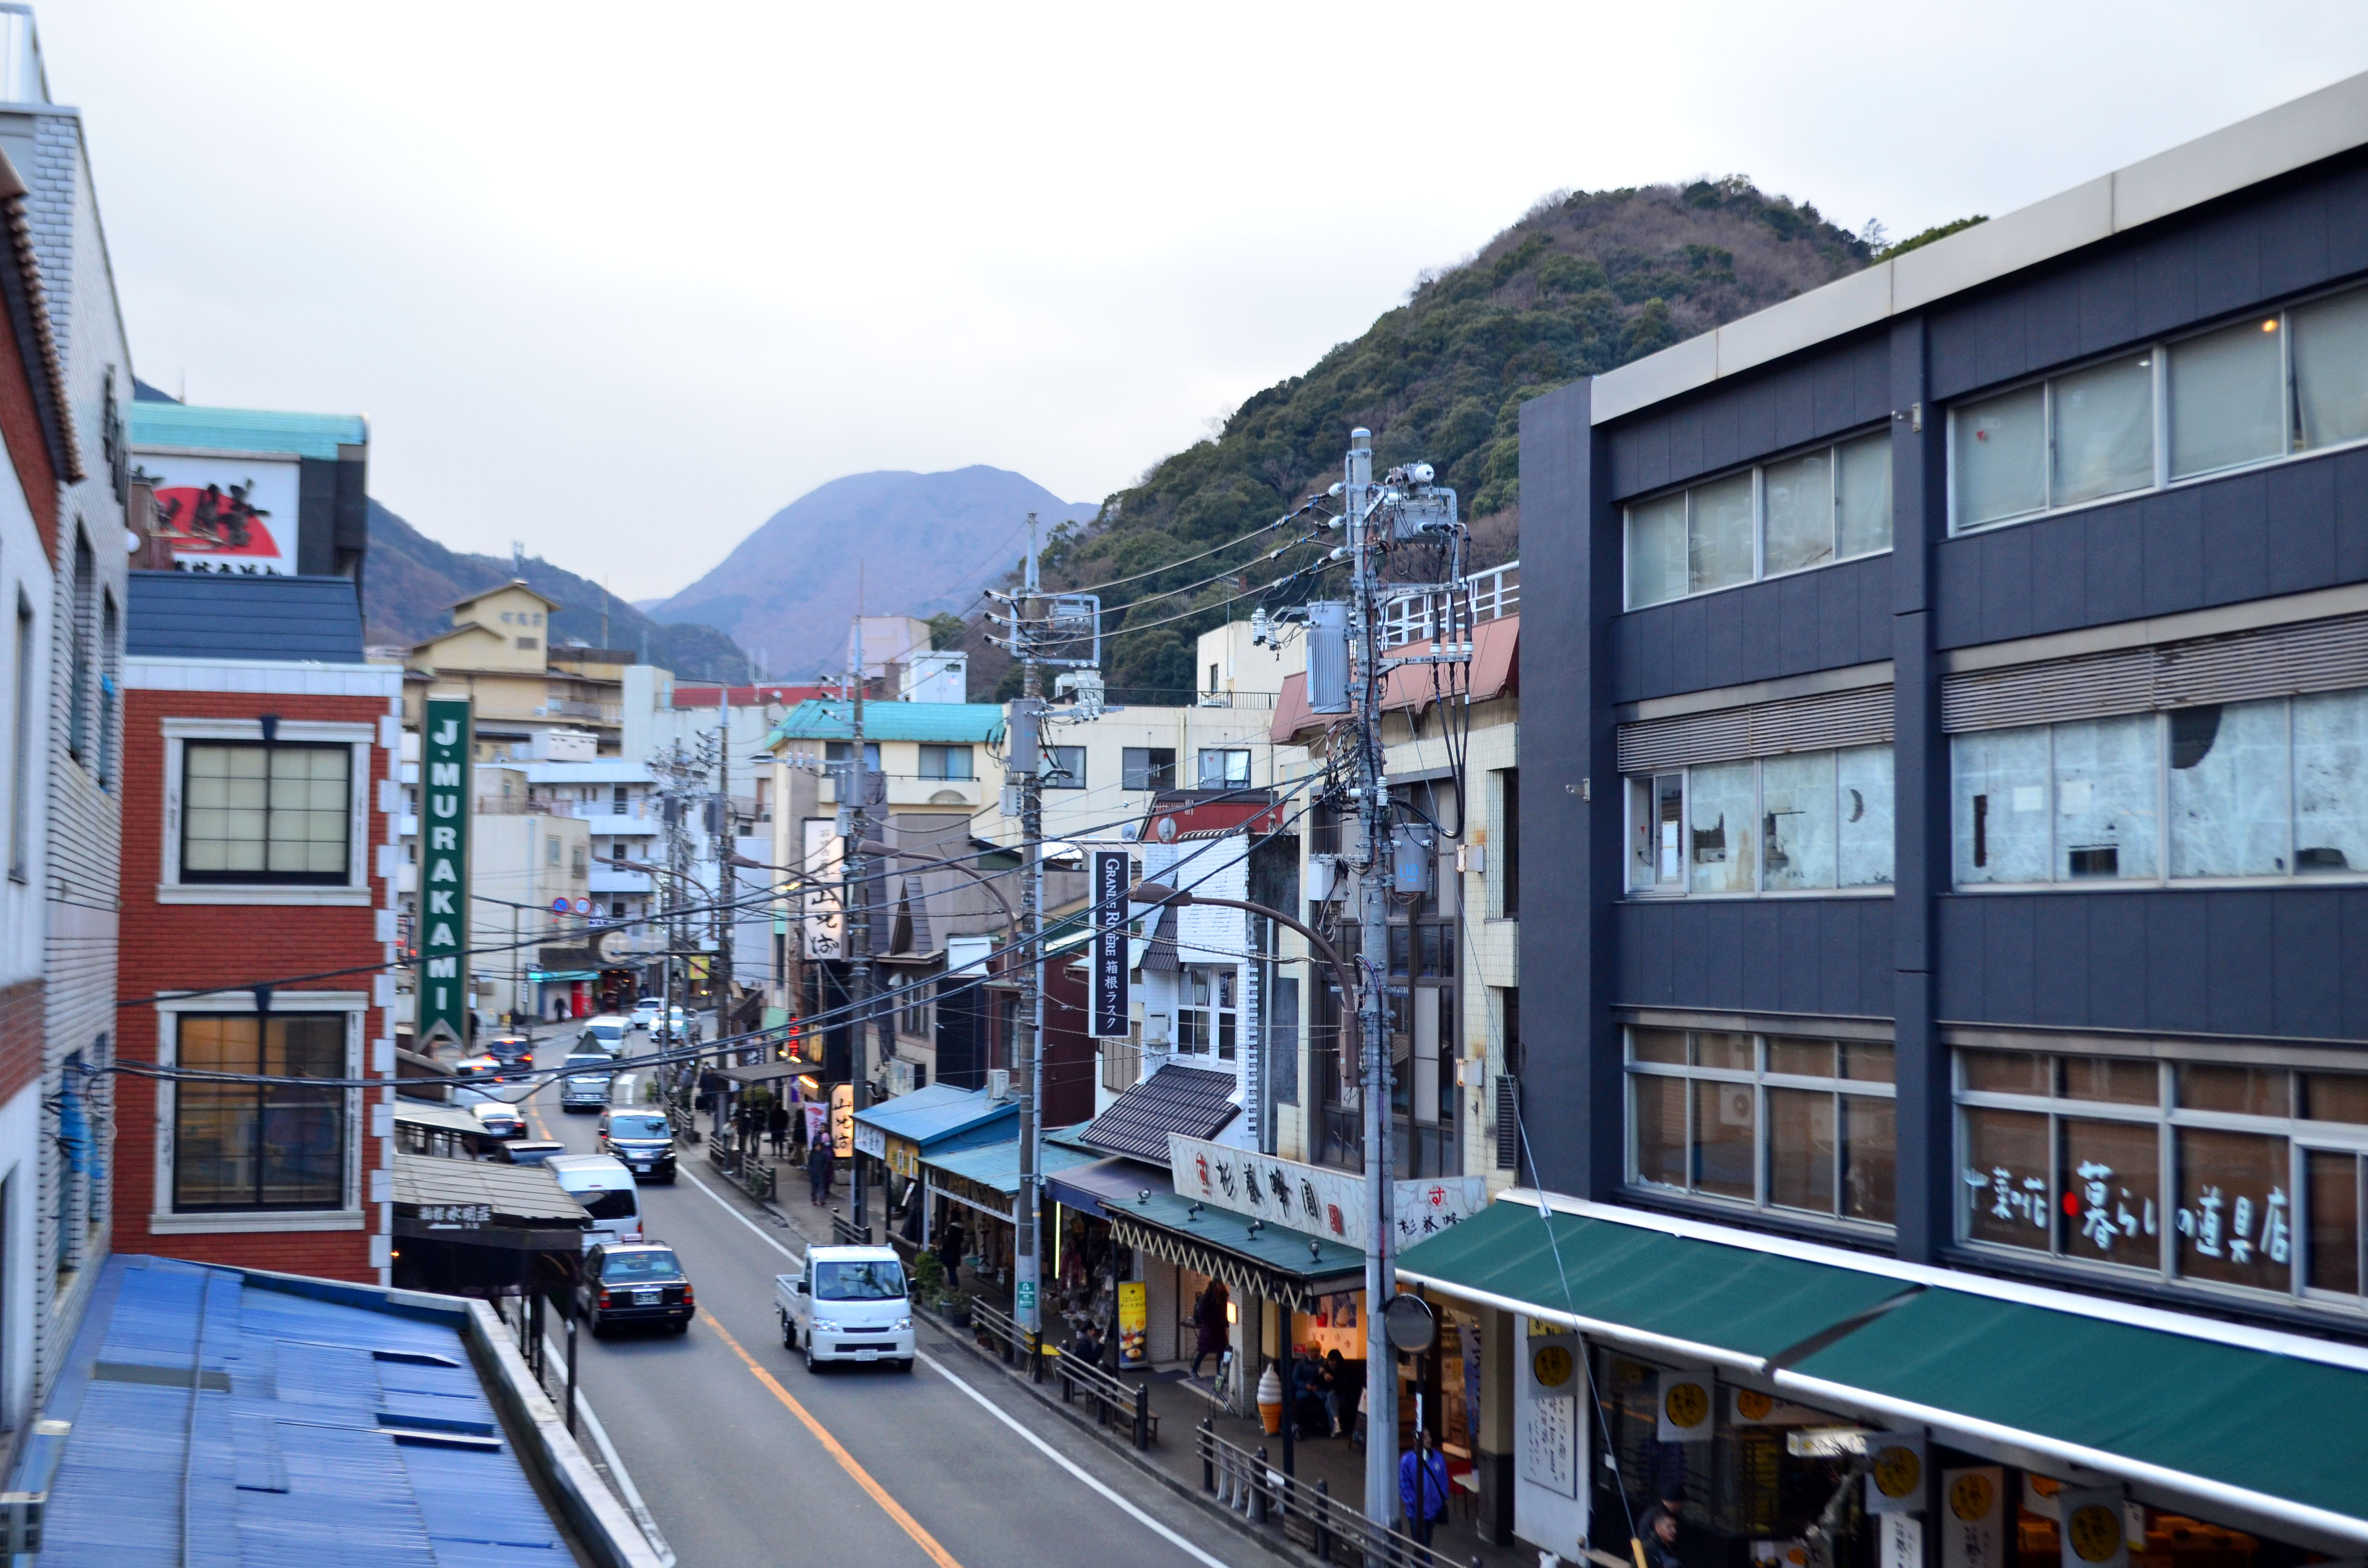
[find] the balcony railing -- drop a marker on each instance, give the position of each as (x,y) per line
(1234,699)
(1494,594)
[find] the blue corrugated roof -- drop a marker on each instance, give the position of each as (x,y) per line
(928,1117)
(246,429)
(828,719)
(997,1165)
(212,615)
(289,1457)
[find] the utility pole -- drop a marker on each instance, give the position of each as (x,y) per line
(725,846)
(857,797)
(1372,1004)
(1027,755)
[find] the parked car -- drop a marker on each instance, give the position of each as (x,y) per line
(583,1079)
(846,1304)
(499,1117)
(642,1138)
(528,1150)
(634,1282)
(645,1012)
(606,1032)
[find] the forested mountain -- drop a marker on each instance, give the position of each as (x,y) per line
(1586,281)
(410,581)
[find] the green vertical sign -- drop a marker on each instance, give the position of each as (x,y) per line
(444,784)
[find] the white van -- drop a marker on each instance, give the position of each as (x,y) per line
(603,1185)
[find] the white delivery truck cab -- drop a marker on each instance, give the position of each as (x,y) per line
(605,1187)
(846,1304)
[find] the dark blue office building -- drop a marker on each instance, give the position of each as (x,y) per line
(1946,742)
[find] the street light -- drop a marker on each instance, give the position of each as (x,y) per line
(1351,1040)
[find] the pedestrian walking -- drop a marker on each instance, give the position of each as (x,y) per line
(950,1253)
(1209,1316)
(1422,1486)
(818,1173)
(777,1125)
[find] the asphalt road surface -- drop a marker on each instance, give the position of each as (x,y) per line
(746,1458)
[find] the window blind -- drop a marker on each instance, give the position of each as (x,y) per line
(1827,721)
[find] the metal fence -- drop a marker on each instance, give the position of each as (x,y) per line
(1241,1479)
(845,1234)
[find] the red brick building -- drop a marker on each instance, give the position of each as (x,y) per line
(257,920)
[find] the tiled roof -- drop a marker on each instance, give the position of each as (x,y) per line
(246,429)
(1193,1101)
(207,615)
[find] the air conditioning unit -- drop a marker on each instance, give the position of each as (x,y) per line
(998,1084)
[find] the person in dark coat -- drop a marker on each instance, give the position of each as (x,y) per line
(950,1254)
(818,1172)
(1088,1346)
(777,1124)
(1209,1316)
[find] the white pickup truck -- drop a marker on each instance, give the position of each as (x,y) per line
(846,1304)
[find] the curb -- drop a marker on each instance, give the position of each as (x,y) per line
(1277,1544)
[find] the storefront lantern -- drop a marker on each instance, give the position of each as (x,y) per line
(1687,1403)
(1895,1472)
(1972,1518)
(2094,1533)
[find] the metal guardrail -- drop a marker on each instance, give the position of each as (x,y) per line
(1242,1480)
(1110,1392)
(843,1234)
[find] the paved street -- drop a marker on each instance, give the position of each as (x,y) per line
(745,1458)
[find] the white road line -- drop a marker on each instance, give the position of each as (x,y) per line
(1049,1452)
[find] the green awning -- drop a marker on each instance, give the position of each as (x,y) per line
(1249,1256)
(2268,1424)
(2270,1428)
(1699,1298)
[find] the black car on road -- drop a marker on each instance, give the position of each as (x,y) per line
(627,1282)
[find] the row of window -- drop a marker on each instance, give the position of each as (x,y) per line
(2276,385)
(1830,504)
(1801,823)
(2222,1172)
(2274,789)
(1141,767)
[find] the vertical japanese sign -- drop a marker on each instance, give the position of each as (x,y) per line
(1109,967)
(1973,1528)
(444,777)
(1134,1324)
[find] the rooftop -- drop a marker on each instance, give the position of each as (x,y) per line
(940,1111)
(207,615)
(1193,1101)
(246,429)
(326,1423)
(821,719)
(2316,126)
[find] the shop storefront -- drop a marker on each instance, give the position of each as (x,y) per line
(895,1137)
(1727,1399)
(976,1188)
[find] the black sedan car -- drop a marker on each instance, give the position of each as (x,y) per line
(628,1283)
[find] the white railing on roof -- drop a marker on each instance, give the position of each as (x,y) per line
(1492,595)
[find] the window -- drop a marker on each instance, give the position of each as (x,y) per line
(575,859)
(1147,767)
(1508,847)
(1064,768)
(945,762)
(21,743)
(1771,1120)
(107,689)
(260,1146)
(616,806)
(2271,386)
(844,751)
(1207,1017)
(78,651)
(526,642)
(1832,504)
(2276,788)
(1225,768)
(2222,1170)
(257,812)
(917,1014)
(1804,823)
(550,850)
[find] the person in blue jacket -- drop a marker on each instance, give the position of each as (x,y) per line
(1422,1486)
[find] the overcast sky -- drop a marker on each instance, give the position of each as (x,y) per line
(618,281)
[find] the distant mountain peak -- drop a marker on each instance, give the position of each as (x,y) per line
(909,543)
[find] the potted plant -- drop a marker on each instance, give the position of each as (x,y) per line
(956,1305)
